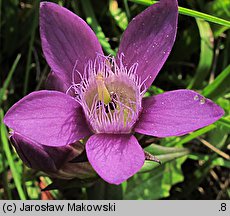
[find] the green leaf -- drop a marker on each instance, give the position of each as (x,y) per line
(157,183)
(206,54)
(150,165)
(219,86)
(154,181)
(220,8)
(218,136)
(221,162)
(192,13)
(161,150)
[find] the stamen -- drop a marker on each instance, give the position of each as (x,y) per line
(103,93)
(110,95)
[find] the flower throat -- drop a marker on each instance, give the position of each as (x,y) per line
(110,95)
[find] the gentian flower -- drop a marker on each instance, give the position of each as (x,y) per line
(100,98)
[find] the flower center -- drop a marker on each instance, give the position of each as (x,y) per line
(110,95)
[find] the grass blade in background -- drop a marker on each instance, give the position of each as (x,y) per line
(127,9)
(92,21)
(13,168)
(8,79)
(118,15)
(219,86)
(30,50)
(192,136)
(225,121)
(206,54)
(189,12)
(219,8)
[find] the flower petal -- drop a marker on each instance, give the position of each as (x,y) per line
(40,157)
(176,113)
(149,38)
(115,157)
(66,39)
(49,118)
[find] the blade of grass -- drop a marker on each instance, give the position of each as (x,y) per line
(206,54)
(225,121)
(191,13)
(127,9)
(193,135)
(118,14)
(219,86)
(92,21)
(30,50)
(10,159)
(4,180)
(9,77)
(226,51)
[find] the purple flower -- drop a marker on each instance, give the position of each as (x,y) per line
(101,98)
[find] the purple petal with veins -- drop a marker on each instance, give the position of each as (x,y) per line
(115,157)
(176,113)
(149,38)
(48,117)
(67,41)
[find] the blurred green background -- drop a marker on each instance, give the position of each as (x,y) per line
(195,166)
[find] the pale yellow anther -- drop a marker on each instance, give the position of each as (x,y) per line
(103,93)
(125,116)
